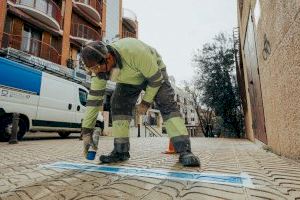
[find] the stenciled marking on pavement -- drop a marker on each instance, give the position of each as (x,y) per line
(242,180)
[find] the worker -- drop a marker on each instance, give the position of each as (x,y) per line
(139,67)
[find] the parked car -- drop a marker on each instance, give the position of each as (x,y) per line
(44,101)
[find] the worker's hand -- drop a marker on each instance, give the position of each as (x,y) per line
(87,143)
(142,108)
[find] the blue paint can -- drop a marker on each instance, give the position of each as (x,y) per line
(91,155)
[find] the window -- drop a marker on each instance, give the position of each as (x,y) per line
(25,39)
(50,10)
(41,5)
(82,97)
(31,41)
(56,43)
(79,61)
(29,3)
(7,31)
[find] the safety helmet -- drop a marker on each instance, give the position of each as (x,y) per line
(94,52)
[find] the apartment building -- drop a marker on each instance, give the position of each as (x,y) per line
(185,104)
(56,30)
(129,24)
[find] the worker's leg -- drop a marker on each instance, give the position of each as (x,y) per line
(122,104)
(174,123)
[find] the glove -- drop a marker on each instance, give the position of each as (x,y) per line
(87,143)
(142,108)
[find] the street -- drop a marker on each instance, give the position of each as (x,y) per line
(24,176)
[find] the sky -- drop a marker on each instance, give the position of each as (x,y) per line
(176,28)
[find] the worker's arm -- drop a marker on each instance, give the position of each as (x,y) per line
(94,104)
(151,71)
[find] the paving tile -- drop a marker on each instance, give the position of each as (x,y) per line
(22,175)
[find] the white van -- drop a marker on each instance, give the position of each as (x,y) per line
(45,102)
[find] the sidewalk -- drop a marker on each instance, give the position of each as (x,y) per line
(22,177)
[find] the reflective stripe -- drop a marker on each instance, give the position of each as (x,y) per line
(121,117)
(171,115)
(97,92)
(155,84)
(156,76)
(85,131)
(94,103)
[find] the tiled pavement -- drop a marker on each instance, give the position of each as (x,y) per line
(21,176)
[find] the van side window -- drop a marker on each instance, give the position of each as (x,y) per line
(82,96)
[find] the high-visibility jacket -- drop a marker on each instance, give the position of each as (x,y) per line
(138,63)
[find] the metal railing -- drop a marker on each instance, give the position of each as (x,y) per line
(152,131)
(72,63)
(48,7)
(31,46)
(84,31)
(93,3)
(126,34)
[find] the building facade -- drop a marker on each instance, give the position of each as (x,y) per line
(54,30)
(113,20)
(269,71)
(185,104)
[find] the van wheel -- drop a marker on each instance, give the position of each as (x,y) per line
(64,134)
(6,128)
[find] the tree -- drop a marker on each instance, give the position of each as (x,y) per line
(216,80)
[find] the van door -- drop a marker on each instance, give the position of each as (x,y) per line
(20,87)
(56,109)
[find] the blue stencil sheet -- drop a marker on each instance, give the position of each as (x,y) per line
(242,180)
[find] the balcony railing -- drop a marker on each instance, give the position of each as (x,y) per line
(31,46)
(78,64)
(95,4)
(48,7)
(126,34)
(85,32)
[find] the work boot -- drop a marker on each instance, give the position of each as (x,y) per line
(182,145)
(119,153)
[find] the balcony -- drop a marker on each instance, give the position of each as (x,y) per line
(130,17)
(126,34)
(46,11)
(83,33)
(31,46)
(92,8)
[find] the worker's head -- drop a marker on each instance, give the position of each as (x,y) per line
(97,58)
